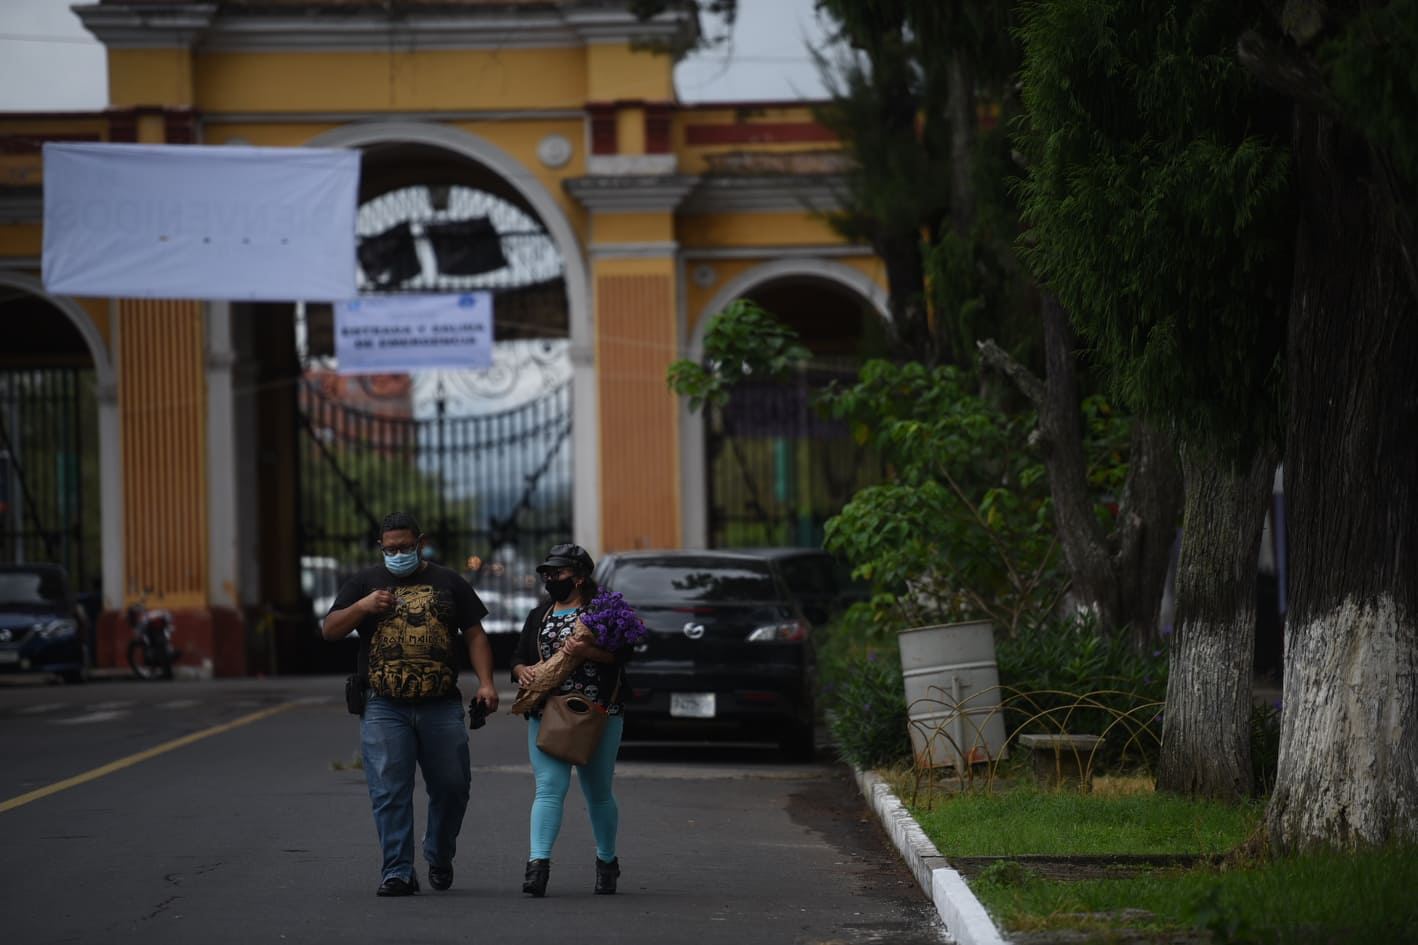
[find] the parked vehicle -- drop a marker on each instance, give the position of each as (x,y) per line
(151,653)
(727,651)
(507,610)
(42,628)
(822,585)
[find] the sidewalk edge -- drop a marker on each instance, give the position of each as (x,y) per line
(964,916)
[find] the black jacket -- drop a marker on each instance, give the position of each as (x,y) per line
(527,654)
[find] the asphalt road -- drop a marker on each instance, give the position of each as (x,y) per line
(227,811)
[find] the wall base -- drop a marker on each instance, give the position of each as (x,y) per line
(212,641)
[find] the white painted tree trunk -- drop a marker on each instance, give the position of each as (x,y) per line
(1348,774)
(1349,741)
(1206,750)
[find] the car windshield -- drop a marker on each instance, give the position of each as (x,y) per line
(30,589)
(695,580)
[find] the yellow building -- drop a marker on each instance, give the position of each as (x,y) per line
(655,215)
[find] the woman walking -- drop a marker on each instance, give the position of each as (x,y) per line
(599,677)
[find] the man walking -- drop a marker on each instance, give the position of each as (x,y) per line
(409,613)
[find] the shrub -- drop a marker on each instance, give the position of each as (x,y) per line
(859,672)
(1048,668)
(867,714)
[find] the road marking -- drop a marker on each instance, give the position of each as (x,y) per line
(121,763)
(85,719)
(43,707)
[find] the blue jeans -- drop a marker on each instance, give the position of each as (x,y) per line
(395,736)
(553,781)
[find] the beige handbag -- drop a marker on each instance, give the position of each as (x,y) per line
(571,727)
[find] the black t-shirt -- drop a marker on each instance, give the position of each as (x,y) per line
(411,652)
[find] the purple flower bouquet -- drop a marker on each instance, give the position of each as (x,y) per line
(609,623)
(614,622)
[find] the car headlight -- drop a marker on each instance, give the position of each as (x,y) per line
(790,631)
(56,628)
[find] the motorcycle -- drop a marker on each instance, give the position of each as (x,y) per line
(151,653)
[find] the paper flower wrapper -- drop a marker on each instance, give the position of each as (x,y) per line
(552,673)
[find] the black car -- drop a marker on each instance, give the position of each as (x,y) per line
(42,629)
(727,650)
(821,584)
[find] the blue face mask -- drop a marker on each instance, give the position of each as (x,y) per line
(402,564)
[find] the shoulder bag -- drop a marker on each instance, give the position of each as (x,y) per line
(572,726)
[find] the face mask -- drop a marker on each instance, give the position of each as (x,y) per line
(402,564)
(560,589)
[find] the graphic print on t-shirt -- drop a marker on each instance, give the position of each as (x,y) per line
(411,655)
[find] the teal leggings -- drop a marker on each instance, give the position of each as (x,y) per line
(554,780)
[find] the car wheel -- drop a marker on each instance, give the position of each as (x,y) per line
(798,742)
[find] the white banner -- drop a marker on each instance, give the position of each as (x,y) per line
(395,334)
(193,222)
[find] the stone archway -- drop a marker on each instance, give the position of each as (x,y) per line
(586,447)
(109,445)
(693,476)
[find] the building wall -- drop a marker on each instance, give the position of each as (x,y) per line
(656,247)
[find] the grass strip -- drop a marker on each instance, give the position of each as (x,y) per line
(1318,899)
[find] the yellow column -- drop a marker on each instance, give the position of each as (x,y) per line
(162,408)
(635,343)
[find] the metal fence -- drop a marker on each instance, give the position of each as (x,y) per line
(490,491)
(48,470)
(779,468)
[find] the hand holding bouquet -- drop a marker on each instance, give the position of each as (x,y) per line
(609,623)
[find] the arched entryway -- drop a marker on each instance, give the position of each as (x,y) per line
(59,464)
(770,471)
(484,457)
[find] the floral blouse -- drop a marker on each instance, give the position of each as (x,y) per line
(590,677)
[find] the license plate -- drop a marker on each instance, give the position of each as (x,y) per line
(692,705)
(9,656)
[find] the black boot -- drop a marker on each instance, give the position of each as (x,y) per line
(606,875)
(535,882)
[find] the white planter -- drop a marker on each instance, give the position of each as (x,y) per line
(952,694)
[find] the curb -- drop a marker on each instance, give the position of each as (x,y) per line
(965,918)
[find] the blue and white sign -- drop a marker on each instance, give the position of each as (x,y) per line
(196,222)
(396,334)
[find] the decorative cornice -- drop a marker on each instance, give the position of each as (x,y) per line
(147,26)
(766,253)
(624,194)
(306,117)
(211,27)
(632,165)
(769,194)
(661,250)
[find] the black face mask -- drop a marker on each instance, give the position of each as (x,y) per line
(560,588)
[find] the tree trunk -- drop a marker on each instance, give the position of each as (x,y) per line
(964,124)
(1348,773)
(1149,512)
(1084,543)
(1119,578)
(1206,747)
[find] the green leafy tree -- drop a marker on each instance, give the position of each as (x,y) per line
(1211,189)
(963,531)
(929,190)
(742,341)
(1156,201)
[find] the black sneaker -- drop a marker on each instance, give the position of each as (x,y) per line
(440,877)
(394,886)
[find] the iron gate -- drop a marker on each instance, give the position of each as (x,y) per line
(778,468)
(492,492)
(48,442)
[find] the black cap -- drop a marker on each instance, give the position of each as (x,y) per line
(566,556)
